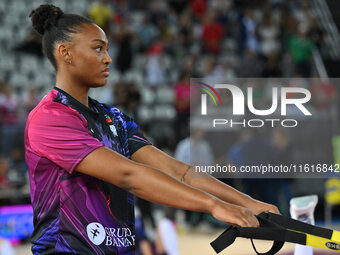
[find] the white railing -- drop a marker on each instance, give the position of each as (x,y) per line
(321,10)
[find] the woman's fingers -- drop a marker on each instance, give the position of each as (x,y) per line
(233,214)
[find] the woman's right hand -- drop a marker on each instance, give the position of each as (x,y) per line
(234,215)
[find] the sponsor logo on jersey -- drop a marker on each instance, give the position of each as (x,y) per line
(96,233)
(119,237)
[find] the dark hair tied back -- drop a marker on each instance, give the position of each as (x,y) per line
(59,25)
(44,17)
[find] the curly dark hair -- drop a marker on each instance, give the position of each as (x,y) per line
(55,26)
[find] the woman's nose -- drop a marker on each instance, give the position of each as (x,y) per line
(107,59)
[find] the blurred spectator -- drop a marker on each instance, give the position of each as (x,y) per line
(201,153)
(182,151)
(182,105)
(252,149)
(123,38)
(250,26)
(154,69)
(288,25)
(212,34)
(8,118)
(268,33)
(146,211)
(214,73)
(157,10)
(303,13)
(101,13)
(4,167)
(143,244)
(281,146)
(8,104)
(31,44)
(195,151)
(17,167)
(301,47)
(316,34)
(147,33)
(167,235)
(126,97)
(281,155)
(228,71)
(235,155)
(185,31)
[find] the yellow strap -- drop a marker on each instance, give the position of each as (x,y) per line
(323,243)
(319,242)
(336,236)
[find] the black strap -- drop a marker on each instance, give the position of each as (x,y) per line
(277,228)
(277,246)
(290,223)
(268,230)
(226,239)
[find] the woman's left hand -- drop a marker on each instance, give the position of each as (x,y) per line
(258,207)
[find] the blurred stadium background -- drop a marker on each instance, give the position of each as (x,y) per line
(156,47)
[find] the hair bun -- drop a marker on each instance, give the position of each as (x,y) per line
(44,17)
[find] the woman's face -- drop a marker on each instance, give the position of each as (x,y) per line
(89,56)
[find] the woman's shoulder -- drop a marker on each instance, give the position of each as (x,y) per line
(50,111)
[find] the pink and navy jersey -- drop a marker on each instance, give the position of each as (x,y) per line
(75,213)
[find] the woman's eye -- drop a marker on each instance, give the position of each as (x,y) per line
(99,49)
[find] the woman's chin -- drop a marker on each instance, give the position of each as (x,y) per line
(99,84)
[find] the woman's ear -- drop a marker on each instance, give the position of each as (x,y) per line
(64,53)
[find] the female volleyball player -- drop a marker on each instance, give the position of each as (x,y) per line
(86,159)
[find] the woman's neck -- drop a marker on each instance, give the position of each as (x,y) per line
(77,91)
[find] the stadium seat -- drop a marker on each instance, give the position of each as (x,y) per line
(165,112)
(165,95)
(148,96)
(145,113)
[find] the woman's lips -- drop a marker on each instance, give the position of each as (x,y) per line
(106,72)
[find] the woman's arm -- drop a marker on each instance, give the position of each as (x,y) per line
(156,186)
(152,156)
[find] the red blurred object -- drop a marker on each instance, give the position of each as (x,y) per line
(156,48)
(117,18)
(323,94)
(198,7)
(212,36)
